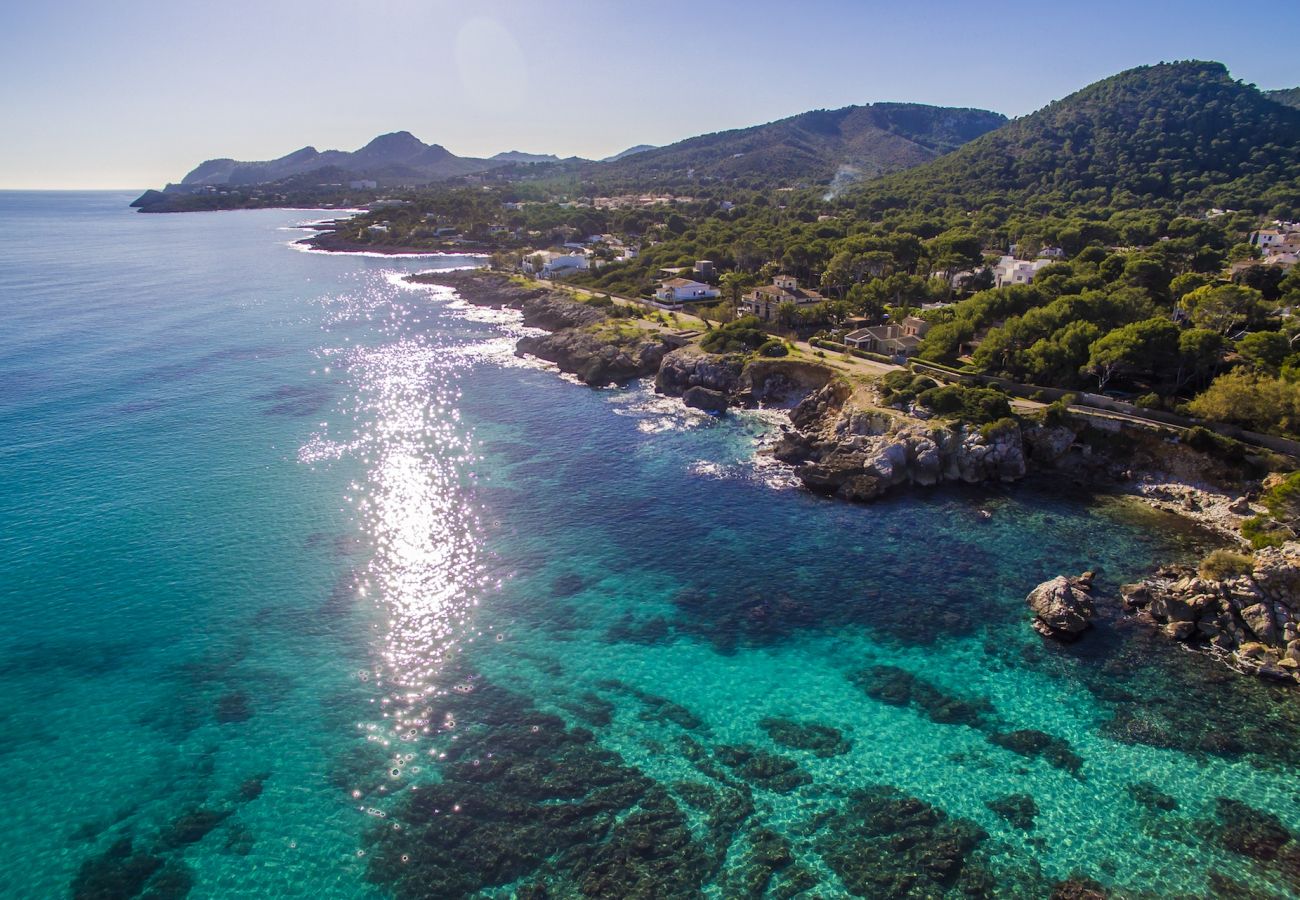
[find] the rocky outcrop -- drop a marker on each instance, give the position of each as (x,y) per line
(554,312)
(1248,620)
(862,454)
(781,381)
(1062,607)
(707,400)
(691,367)
(599,358)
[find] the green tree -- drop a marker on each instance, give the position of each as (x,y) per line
(1258,402)
(1200,354)
(1140,347)
(1264,351)
(1222,307)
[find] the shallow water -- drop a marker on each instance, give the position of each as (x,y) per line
(311,586)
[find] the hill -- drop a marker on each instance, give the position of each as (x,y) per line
(1181,135)
(399,157)
(866,141)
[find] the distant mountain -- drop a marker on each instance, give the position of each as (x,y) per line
(516,156)
(1179,134)
(399,157)
(630,151)
(866,141)
(1287,96)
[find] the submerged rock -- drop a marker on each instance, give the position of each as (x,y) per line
(899,687)
(1018,809)
(763,769)
(822,740)
(1062,607)
(1038,744)
(120,871)
(1150,797)
(884,843)
(1250,832)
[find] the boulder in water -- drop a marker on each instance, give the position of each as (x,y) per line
(1062,607)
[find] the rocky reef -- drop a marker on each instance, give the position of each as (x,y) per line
(1247,619)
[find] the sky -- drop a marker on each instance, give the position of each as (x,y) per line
(135,93)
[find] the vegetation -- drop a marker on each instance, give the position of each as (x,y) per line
(1221,565)
(741,336)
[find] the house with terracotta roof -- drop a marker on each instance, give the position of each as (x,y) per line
(764,301)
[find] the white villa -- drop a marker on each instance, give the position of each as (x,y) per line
(676,291)
(553,264)
(764,301)
(1010,270)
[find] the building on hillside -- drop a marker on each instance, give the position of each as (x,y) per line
(548,264)
(675,292)
(565,264)
(363,184)
(1010,270)
(892,340)
(766,300)
(704,268)
(1267,238)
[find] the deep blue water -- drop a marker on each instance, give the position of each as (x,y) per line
(310,587)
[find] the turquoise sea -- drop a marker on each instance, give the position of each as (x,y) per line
(311,588)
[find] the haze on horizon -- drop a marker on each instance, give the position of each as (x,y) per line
(134,95)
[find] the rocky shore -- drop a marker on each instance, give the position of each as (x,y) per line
(844,442)
(584,340)
(1248,619)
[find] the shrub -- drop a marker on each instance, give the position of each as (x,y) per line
(1003,427)
(1213,443)
(1149,401)
(1283,500)
(1221,565)
(975,405)
(1263,532)
(773,347)
(739,336)
(1058,411)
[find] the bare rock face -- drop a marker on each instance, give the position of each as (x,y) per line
(1062,607)
(1251,621)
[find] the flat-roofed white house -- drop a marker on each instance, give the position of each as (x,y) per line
(675,292)
(1010,270)
(766,300)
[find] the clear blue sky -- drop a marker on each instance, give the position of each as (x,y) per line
(134,93)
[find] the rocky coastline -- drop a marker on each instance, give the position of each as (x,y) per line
(842,441)
(1248,617)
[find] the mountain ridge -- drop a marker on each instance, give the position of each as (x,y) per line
(1183,133)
